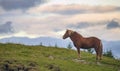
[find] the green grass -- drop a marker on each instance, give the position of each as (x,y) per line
(43,58)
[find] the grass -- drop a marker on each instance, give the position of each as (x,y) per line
(41,58)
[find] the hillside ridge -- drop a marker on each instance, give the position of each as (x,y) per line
(18,57)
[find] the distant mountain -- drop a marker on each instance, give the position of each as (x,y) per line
(46,41)
(50,41)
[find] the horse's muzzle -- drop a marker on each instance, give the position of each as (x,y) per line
(64,37)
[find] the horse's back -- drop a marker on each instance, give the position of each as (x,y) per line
(91,42)
(92,39)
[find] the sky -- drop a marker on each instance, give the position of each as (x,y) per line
(36,18)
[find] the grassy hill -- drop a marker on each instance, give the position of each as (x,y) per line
(16,57)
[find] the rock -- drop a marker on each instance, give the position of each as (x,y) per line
(6,66)
(51,57)
(20,67)
(119,69)
(10,61)
(32,64)
(80,61)
(53,67)
(13,65)
(98,63)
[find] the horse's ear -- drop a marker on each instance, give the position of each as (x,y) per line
(67,29)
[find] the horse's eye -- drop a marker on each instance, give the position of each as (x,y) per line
(67,31)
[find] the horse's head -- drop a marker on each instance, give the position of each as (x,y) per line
(67,34)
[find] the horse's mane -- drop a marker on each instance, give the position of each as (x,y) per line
(76,33)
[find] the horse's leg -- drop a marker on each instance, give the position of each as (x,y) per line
(97,53)
(78,49)
(100,53)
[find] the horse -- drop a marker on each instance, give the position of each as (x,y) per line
(85,43)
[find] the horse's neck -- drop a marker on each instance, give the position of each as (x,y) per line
(75,36)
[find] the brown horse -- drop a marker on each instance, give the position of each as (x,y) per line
(81,42)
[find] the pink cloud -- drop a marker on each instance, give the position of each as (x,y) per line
(74,9)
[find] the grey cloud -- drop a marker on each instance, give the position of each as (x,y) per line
(81,11)
(113,24)
(79,25)
(109,24)
(57,29)
(69,12)
(6,28)
(19,4)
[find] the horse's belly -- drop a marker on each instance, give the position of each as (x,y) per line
(86,47)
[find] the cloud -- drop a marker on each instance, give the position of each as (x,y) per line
(54,25)
(6,28)
(76,9)
(113,24)
(79,25)
(19,4)
(86,24)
